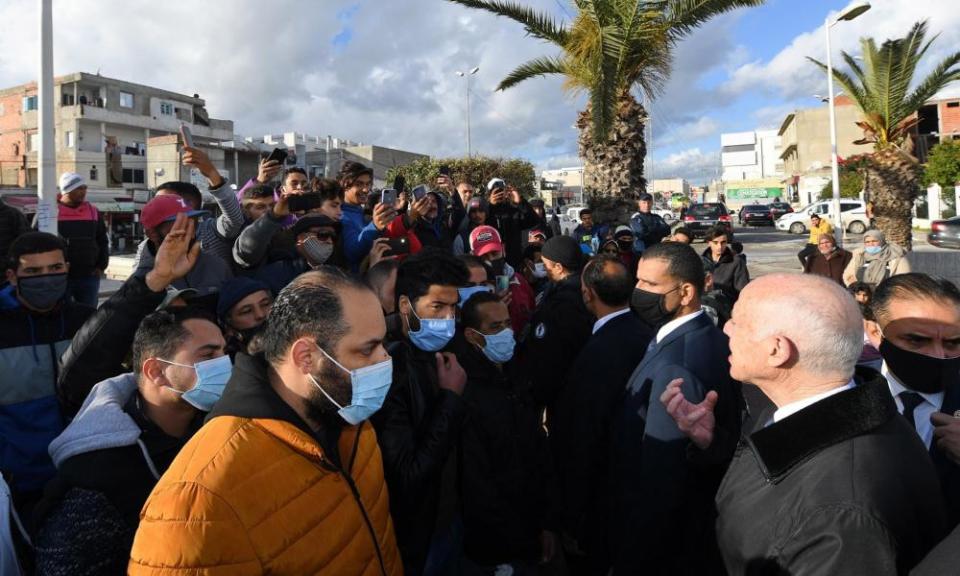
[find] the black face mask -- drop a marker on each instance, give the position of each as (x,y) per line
(652,307)
(497,266)
(919,372)
(625,244)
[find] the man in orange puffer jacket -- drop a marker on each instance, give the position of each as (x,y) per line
(286,475)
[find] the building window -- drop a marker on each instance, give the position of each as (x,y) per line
(93,173)
(29,103)
(166,109)
(953,104)
(68,139)
(33,142)
(126,100)
(132,176)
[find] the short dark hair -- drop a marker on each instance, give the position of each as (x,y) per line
(716,232)
(683,230)
(532,249)
(608,277)
(350,171)
(429,267)
(312,306)
(586,212)
(473,261)
(161,333)
(914,285)
(34,243)
(860,287)
(261,191)
(190,193)
(329,189)
(470,314)
(378,274)
(683,262)
(293,170)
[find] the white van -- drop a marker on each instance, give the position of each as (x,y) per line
(853,214)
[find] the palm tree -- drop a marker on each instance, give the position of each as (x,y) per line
(610,48)
(881,88)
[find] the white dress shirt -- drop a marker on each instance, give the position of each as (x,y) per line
(794,407)
(672,325)
(600,322)
(921,414)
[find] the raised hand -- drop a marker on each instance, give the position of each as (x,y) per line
(383,215)
(696,421)
(197,158)
(268,170)
(176,256)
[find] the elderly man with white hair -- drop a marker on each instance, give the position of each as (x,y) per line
(831,480)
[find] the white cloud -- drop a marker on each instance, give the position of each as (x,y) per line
(692,164)
(790,75)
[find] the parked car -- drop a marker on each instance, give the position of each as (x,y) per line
(699,218)
(756,215)
(665,213)
(778,209)
(853,215)
(945,233)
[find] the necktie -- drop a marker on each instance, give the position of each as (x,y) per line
(910,402)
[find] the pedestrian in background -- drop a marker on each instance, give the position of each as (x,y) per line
(829,261)
(80,224)
(818,227)
(876,261)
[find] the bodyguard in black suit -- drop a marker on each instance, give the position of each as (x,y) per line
(587,410)
(665,512)
(917,331)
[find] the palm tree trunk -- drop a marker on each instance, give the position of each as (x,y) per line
(893,180)
(615,169)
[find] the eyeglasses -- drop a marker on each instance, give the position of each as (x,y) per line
(329,236)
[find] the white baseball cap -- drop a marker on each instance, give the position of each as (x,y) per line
(496,183)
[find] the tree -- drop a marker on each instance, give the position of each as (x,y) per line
(610,48)
(881,88)
(852,172)
(943,165)
(477,170)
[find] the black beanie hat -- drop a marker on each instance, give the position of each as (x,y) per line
(565,251)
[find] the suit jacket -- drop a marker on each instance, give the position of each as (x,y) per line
(665,512)
(947,469)
(586,413)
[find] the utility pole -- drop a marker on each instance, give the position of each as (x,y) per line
(467,75)
(47,155)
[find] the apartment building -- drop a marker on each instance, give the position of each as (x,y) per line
(102,126)
(750,155)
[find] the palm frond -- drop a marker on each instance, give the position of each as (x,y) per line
(947,71)
(542,66)
(683,16)
(537,24)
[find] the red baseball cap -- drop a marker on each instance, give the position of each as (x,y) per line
(165,209)
(485,239)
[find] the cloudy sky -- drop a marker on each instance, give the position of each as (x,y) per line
(384,71)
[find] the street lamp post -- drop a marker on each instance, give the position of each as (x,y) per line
(467,75)
(849,13)
(47,154)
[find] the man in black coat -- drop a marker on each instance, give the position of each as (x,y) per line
(831,480)
(587,409)
(730,274)
(560,326)
(419,424)
(12,224)
(506,480)
(510,215)
(663,520)
(917,331)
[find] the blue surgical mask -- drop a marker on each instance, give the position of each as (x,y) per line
(434,333)
(539,270)
(498,348)
(872,250)
(466,293)
(370,386)
(212,377)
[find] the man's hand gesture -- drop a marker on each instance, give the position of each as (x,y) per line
(696,421)
(176,256)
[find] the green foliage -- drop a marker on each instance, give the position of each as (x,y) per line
(477,170)
(610,47)
(851,183)
(881,87)
(943,165)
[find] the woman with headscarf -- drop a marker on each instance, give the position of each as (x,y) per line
(876,261)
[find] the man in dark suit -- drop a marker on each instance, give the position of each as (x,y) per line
(831,480)
(664,518)
(587,409)
(917,330)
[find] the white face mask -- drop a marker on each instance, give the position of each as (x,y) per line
(539,270)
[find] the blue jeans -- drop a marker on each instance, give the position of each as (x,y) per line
(84,289)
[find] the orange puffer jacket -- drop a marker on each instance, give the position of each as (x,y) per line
(258,496)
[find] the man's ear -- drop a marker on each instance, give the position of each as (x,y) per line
(874,334)
(404,305)
(301,353)
(152,371)
(779,351)
(11,277)
(473,337)
(687,293)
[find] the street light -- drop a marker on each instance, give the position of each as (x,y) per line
(472,71)
(824,99)
(849,13)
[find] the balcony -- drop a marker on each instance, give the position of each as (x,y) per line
(218,130)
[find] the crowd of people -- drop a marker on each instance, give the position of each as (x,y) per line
(329,379)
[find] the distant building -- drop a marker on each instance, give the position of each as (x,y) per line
(667,187)
(562,186)
(750,155)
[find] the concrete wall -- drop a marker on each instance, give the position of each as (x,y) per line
(949,118)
